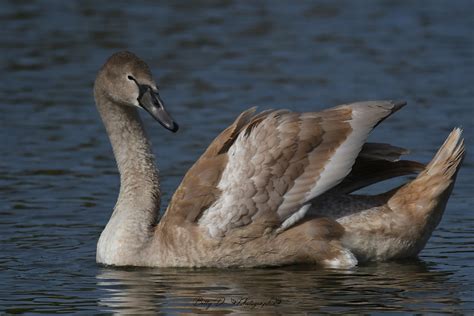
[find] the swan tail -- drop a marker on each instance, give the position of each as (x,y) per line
(426,196)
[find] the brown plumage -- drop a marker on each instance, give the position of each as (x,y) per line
(273,188)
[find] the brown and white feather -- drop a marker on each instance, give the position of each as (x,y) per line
(282,160)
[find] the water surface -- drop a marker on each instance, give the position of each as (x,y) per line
(213,59)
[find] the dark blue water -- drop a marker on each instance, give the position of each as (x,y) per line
(213,59)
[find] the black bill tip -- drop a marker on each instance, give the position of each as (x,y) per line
(151,102)
(174,127)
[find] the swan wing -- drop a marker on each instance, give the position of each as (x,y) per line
(377,162)
(266,168)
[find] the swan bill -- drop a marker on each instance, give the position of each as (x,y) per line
(152,103)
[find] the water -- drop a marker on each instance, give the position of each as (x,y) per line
(58,180)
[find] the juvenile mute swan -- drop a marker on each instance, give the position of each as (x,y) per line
(274,188)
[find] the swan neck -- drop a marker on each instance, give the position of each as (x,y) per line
(139,182)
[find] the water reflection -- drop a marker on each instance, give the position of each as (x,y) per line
(390,286)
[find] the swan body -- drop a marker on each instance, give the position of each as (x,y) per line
(274,188)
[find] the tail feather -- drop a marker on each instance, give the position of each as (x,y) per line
(449,156)
(427,195)
(399,223)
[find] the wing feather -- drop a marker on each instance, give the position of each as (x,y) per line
(276,162)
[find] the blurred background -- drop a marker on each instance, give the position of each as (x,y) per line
(212,60)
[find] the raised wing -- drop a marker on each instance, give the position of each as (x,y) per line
(265,169)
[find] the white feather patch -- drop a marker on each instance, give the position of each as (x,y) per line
(218,216)
(295,217)
(345,260)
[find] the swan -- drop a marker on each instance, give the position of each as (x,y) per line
(274,188)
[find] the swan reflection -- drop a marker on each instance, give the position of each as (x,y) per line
(379,287)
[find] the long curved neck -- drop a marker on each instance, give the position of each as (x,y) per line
(137,208)
(139,183)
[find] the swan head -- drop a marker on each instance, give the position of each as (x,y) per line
(126,80)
